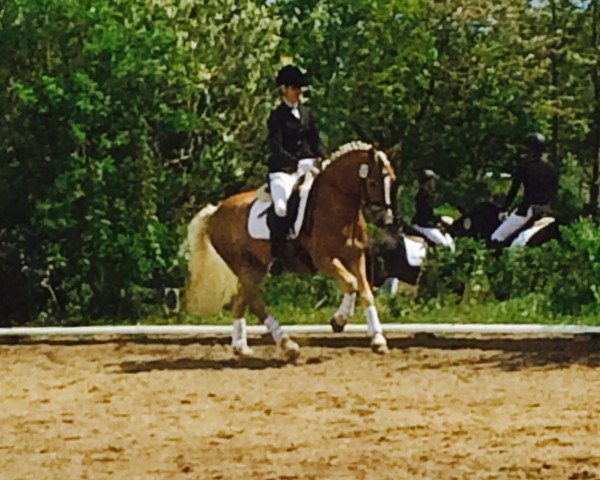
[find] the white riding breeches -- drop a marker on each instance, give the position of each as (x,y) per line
(282,184)
(511,225)
(435,235)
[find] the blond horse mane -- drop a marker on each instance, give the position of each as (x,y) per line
(354,147)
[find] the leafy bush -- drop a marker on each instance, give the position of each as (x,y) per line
(446,273)
(308,291)
(119,118)
(565,272)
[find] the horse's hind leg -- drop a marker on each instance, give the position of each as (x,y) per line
(250,288)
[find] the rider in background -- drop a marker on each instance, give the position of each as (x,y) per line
(540,183)
(425,221)
(295,145)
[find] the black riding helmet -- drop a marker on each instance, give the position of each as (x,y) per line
(535,144)
(291,76)
(427,174)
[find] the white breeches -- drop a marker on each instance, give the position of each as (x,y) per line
(435,235)
(511,225)
(282,185)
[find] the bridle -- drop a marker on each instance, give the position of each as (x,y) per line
(388,178)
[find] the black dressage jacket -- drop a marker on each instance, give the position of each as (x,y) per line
(424,216)
(292,139)
(540,185)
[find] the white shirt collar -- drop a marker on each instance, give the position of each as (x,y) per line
(291,105)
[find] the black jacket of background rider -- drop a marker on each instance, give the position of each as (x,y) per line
(424,216)
(292,139)
(540,184)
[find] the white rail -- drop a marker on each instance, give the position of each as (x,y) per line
(407,328)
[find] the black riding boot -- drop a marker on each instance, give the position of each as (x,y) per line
(277,238)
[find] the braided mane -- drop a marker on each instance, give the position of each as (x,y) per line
(356,146)
(350,147)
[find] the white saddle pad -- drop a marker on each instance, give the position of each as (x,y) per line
(257,219)
(526,235)
(416,250)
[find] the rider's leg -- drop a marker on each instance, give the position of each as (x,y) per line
(281,185)
(435,235)
(277,240)
(510,226)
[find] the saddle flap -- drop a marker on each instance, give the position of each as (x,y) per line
(524,237)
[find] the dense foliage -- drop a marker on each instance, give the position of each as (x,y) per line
(564,273)
(121,117)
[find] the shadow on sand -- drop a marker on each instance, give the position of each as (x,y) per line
(512,353)
(202,364)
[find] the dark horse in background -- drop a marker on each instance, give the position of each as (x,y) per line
(388,257)
(483,219)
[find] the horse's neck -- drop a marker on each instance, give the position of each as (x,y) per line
(331,193)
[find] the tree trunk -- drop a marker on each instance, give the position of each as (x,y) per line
(554,73)
(594,184)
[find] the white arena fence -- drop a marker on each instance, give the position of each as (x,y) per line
(389,328)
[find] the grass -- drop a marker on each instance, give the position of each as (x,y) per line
(403,309)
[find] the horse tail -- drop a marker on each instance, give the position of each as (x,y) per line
(211,283)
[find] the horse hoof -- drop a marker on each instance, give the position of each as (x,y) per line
(290,348)
(379,344)
(338,324)
(242,350)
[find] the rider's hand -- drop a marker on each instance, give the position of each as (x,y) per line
(306,164)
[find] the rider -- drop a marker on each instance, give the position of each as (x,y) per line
(294,143)
(540,182)
(425,221)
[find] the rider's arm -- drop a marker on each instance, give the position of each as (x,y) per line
(276,140)
(514,188)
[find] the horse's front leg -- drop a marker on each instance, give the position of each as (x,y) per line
(348,285)
(378,341)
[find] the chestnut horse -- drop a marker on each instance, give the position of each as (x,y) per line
(226,263)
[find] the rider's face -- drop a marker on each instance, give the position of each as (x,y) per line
(292,93)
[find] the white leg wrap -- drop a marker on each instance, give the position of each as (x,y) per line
(238,335)
(373,325)
(274,329)
(346,309)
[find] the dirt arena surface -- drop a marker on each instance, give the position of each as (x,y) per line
(463,408)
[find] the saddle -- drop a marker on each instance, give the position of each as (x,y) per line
(262,211)
(533,226)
